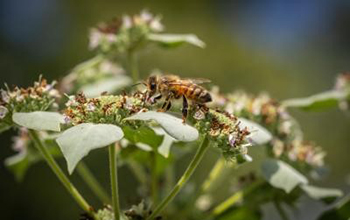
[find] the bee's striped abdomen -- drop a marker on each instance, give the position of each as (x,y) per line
(205,97)
(198,94)
(192,92)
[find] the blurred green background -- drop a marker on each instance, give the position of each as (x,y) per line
(289,49)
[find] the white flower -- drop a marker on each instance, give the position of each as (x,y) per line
(4,96)
(90,107)
(20,142)
(71,101)
(3,112)
(199,115)
(156,25)
(54,93)
(204,202)
(292,155)
(232,140)
(48,88)
(129,104)
(146,16)
(111,38)
(67,119)
(107,67)
(20,98)
(278,148)
(247,158)
(127,22)
(285,127)
(95,38)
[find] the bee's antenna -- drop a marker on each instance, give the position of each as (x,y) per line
(136,84)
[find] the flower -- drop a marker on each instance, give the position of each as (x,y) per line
(223,129)
(20,142)
(90,107)
(4,96)
(125,33)
(3,112)
(39,97)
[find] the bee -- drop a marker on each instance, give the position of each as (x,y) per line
(173,87)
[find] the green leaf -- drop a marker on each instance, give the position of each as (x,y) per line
(317,102)
(76,142)
(40,121)
(18,164)
(172,125)
(143,137)
(319,193)
(240,213)
(259,134)
(109,85)
(174,40)
(4,127)
(341,211)
(164,147)
(281,175)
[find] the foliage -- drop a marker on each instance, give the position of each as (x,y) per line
(96,115)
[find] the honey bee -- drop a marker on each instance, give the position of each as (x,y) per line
(173,87)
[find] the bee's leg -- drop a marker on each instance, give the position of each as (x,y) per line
(184,109)
(166,104)
(154,100)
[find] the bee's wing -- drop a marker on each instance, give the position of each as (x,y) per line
(197,80)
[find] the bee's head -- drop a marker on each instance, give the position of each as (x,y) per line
(152,83)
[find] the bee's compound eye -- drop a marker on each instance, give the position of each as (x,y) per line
(153,86)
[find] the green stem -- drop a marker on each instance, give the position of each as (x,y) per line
(184,178)
(236,197)
(213,175)
(133,67)
(211,179)
(138,171)
(92,182)
(60,174)
(114,181)
(154,178)
(280,210)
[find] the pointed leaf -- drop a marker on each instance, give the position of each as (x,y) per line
(18,165)
(172,125)
(259,134)
(321,193)
(317,102)
(78,141)
(4,127)
(108,85)
(40,121)
(340,211)
(142,137)
(281,175)
(164,148)
(173,40)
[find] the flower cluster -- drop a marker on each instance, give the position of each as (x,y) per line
(40,97)
(89,72)
(343,81)
(288,142)
(223,128)
(297,151)
(21,141)
(126,33)
(140,211)
(342,84)
(108,109)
